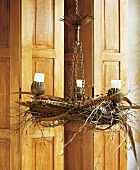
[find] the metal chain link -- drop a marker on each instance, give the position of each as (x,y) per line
(82,71)
(74,70)
(76,7)
(72,73)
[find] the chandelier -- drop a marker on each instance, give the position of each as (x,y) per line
(97,114)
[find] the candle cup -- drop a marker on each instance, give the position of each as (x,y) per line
(116,98)
(38,88)
(80,88)
(79,93)
(115,91)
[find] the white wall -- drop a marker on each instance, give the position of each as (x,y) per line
(134,70)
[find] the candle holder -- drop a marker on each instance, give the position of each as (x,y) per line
(80,84)
(115,94)
(38,88)
(79,93)
(38,85)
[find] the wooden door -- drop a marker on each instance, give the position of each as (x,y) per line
(9,83)
(110,63)
(42,51)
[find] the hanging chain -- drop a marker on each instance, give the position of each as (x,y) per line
(72,73)
(74,70)
(76,7)
(82,71)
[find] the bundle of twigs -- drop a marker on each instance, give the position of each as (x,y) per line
(104,109)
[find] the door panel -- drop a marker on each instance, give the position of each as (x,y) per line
(43,30)
(4,91)
(107,153)
(42,148)
(5,24)
(43,160)
(78,152)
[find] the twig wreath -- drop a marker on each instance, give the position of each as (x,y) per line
(97,114)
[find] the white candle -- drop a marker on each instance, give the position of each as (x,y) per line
(79,83)
(39,77)
(116,84)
